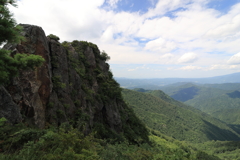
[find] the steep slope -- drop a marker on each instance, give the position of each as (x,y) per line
(162,113)
(74,85)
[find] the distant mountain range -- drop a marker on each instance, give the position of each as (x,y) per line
(157,82)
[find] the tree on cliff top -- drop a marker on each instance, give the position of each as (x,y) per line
(10,32)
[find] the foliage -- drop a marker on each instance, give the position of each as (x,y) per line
(20,142)
(54,37)
(57,82)
(65,44)
(55,143)
(104,56)
(223,149)
(10,66)
(134,130)
(9,31)
(110,88)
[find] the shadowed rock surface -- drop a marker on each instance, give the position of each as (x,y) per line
(8,108)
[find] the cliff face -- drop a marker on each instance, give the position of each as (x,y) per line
(73,85)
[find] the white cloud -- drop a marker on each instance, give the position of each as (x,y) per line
(113,3)
(73,19)
(190,68)
(126,23)
(160,45)
(235,59)
(164,6)
(188,58)
(107,35)
(227,29)
(192,27)
(167,56)
(187,24)
(224,67)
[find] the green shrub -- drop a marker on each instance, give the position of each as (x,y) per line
(57,82)
(54,37)
(65,44)
(104,56)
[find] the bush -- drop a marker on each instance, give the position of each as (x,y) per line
(104,56)
(54,37)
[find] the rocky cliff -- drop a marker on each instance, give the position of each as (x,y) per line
(74,85)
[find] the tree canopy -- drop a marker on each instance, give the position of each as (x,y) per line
(10,33)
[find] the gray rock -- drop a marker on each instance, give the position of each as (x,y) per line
(8,108)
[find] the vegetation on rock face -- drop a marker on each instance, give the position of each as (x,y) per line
(54,37)
(10,65)
(104,56)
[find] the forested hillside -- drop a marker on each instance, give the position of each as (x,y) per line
(160,112)
(219,100)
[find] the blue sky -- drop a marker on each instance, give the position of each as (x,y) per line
(147,38)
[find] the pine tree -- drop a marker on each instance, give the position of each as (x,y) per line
(10,33)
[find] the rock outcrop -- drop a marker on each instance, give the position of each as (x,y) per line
(8,108)
(74,85)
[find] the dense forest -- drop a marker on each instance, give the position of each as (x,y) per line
(60,101)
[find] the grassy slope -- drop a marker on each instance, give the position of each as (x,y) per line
(176,119)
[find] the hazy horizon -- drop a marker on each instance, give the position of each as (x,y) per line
(178,77)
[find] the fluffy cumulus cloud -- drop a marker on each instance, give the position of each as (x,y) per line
(188,58)
(158,36)
(235,59)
